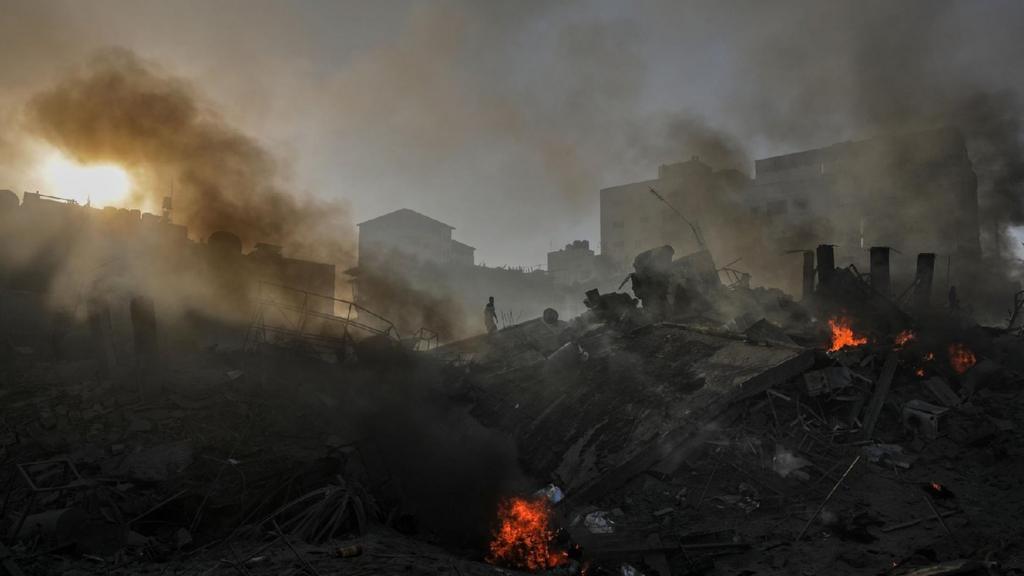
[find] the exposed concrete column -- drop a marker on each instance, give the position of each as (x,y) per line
(881,280)
(826,264)
(143,313)
(98,315)
(808,278)
(923,280)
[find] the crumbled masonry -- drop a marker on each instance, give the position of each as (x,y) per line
(693,428)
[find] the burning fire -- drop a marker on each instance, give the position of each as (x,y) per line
(843,335)
(919,372)
(524,538)
(961,358)
(903,338)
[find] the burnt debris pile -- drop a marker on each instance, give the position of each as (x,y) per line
(693,425)
(698,426)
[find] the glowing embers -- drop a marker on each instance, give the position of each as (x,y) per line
(961,358)
(903,338)
(843,335)
(524,538)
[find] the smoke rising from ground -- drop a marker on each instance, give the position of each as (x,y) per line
(392,294)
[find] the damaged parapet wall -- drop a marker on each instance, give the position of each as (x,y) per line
(60,256)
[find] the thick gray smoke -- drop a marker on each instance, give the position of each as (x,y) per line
(121,110)
(827,72)
(117,108)
(477,113)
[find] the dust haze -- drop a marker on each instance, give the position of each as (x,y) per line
(481,113)
(118,109)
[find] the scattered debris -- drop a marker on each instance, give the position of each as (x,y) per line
(923,418)
(670,433)
(598,522)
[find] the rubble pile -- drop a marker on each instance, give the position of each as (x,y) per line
(226,463)
(690,428)
(865,442)
(686,452)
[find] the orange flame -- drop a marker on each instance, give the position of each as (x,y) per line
(524,538)
(903,338)
(961,358)
(843,335)
(929,356)
(936,486)
(919,372)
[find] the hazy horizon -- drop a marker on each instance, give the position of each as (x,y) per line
(506,119)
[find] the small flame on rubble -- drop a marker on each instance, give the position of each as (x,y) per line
(929,356)
(937,490)
(843,335)
(524,538)
(903,338)
(961,358)
(919,372)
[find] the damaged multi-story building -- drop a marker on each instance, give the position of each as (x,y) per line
(912,193)
(575,264)
(633,219)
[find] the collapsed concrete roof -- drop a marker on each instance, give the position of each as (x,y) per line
(591,412)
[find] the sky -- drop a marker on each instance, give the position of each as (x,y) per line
(504,119)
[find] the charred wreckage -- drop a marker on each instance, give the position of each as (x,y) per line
(689,426)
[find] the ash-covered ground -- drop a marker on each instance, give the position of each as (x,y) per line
(722,430)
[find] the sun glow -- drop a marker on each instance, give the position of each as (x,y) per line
(100,185)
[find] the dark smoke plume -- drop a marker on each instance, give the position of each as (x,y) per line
(393,295)
(687,135)
(122,110)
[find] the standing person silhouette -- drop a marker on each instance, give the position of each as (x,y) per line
(490,317)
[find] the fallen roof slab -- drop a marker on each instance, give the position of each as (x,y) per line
(627,401)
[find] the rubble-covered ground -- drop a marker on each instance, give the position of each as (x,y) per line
(740,492)
(680,447)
